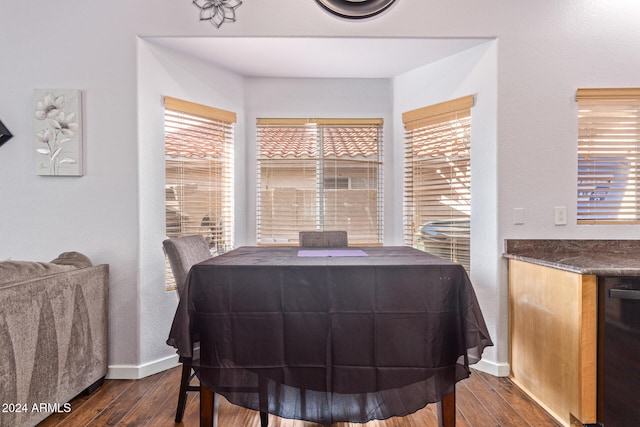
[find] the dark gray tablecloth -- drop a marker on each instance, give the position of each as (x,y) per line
(329,339)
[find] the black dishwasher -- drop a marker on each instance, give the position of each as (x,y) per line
(619,351)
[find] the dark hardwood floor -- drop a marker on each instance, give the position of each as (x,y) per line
(482,401)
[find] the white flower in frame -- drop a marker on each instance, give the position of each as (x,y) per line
(65,124)
(58,132)
(44,136)
(49,106)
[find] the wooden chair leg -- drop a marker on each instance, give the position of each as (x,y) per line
(263,402)
(184,386)
(208,413)
(447,410)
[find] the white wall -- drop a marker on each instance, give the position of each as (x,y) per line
(578,45)
(545,50)
(162,72)
(472,72)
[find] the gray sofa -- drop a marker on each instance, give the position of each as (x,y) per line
(53,335)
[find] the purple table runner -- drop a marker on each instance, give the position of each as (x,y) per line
(324,253)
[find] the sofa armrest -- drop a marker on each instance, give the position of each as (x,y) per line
(56,330)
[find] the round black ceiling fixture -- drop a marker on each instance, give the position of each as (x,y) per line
(355,9)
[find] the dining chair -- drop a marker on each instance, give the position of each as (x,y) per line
(323,239)
(184,252)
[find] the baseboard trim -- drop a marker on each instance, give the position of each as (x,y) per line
(133,372)
(492,368)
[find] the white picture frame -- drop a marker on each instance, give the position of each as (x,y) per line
(58,132)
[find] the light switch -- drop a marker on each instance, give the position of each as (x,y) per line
(560,215)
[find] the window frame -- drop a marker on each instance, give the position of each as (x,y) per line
(432,137)
(311,150)
(608,156)
(199,173)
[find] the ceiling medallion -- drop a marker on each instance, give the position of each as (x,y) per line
(217,12)
(355,9)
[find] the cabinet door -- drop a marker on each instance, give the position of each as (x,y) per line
(553,338)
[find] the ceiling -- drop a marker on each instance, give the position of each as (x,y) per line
(328,57)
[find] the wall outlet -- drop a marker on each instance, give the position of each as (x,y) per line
(560,215)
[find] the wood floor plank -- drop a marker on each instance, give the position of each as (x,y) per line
(59,418)
(246,417)
(461,420)
(430,415)
(494,404)
(93,405)
(191,412)
(118,409)
(536,416)
(161,404)
(230,414)
(473,411)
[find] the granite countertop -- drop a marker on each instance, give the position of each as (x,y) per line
(598,257)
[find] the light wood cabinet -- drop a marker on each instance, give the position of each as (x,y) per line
(553,339)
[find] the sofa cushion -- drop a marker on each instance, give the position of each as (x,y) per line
(19,271)
(75,259)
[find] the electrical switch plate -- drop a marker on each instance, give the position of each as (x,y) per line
(560,215)
(518,216)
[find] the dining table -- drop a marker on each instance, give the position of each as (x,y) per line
(330,335)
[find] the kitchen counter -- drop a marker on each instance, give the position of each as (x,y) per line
(597,257)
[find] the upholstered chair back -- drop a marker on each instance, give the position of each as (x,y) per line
(323,239)
(183,252)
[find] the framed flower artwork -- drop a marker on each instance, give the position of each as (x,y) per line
(58,132)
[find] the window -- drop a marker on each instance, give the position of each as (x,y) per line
(608,155)
(199,166)
(319,175)
(437,179)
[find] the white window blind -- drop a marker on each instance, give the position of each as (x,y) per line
(437,179)
(199,173)
(319,174)
(608,155)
